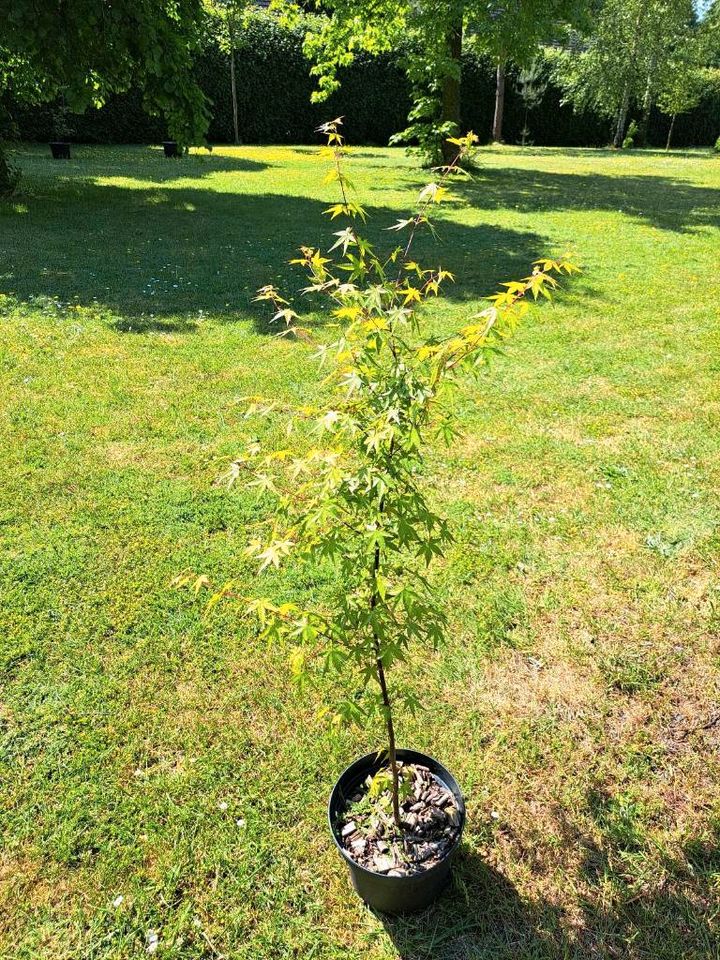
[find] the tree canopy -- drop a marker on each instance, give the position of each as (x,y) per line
(83,50)
(630,56)
(431,33)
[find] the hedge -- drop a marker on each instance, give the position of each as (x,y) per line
(274,87)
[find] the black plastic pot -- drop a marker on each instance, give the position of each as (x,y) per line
(383,893)
(60,149)
(171,148)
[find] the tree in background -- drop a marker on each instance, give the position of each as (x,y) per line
(227,18)
(531,85)
(513,32)
(710,34)
(669,43)
(431,34)
(681,93)
(84,50)
(628,58)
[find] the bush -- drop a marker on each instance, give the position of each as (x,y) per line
(632,132)
(716,148)
(9,175)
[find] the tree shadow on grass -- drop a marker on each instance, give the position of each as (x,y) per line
(637,906)
(141,162)
(482,916)
(164,258)
(664,202)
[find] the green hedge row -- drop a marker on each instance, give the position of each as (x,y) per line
(274,86)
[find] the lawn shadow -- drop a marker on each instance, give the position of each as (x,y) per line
(479,916)
(482,916)
(165,257)
(154,324)
(664,202)
(142,162)
(634,906)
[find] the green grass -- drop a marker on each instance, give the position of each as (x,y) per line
(576,699)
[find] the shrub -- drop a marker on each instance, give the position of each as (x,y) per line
(359,499)
(9,174)
(632,132)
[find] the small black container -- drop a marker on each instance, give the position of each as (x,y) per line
(60,149)
(171,148)
(383,893)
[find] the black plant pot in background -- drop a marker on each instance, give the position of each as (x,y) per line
(60,149)
(171,148)
(383,893)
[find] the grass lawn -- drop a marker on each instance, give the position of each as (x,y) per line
(158,772)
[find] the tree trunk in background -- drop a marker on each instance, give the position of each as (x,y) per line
(622,119)
(648,101)
(497,129)
(670,132)
(644,124)
(233,91)
(451,89)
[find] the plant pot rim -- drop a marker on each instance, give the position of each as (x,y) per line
(410,756)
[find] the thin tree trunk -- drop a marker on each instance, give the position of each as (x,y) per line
(622,118)
(451,89)
(387,708)
(670,133)
(648,100)
(392,750)
(233,91)
(497,129)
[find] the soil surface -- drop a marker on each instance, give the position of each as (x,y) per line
(430,823)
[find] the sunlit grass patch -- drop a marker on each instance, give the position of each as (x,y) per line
(156,754)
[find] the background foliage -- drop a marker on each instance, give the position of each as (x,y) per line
(274,87)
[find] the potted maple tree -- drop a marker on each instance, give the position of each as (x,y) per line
(360,500)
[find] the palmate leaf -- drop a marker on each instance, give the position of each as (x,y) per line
(346,238)
(348,209)
(272,554)
(401,224)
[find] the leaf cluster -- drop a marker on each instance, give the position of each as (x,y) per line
(358,499)
(87,49)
